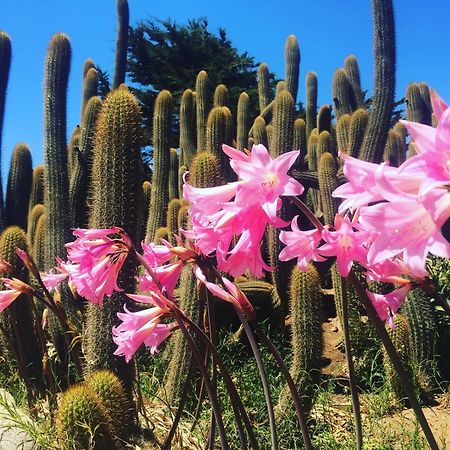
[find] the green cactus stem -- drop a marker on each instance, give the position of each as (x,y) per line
(221,96)
(242,121)
(187,127)
(120,68)
(263,86)
(351,68)
(203,105)
(37,187)
(292,58)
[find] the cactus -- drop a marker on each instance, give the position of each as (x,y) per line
(205,171)
(384,87)
(299,143)
(117,201)
(324,144)
(37,187)
(82,420)
(161,163)
(81,174)
(311,102)
(342,133)
(418,106)
(161,233)
(120,67)
(292,58)
(327,184)
(181,355)
(39,243)
(173,174)
(19,186)
(351,68)
(263,86)
(172,217)
(242,121)
(183,219)
(37,211)
(203,105)
(218,132)
(187,127)
(343,95)
(146,195)
(283,121)
(324,119)
(111,393)
(181,171)
(73,150)
(260,132)
(88,64)
(5,64)
(90,87)
(221,97)
(357,130)
(306,337)
(394,151)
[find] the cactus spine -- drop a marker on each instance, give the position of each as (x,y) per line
(37,187)
(343,96)
(5,64)
(161,163)
(299,143)
(260,132)
(221,97)
(39,242)
(205,171)
(90,87)
(123,17)
(187,127)
(357,130)
(19,186)
(311,102)
(37,211)
(173,174)
(327,184)
(324,119)
(292,57)
(203,105)
(117,184)
(342,132)
(351,68)
(172,217)
(418,107)
(242,121)
(263,86)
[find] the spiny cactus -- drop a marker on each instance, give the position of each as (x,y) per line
(292,58)
(181,172)
(187,127)
(161,233)
(203,105)
(324,119)
(82,421)
(73,149)
(263,86)
(37,211)
(117,201)
(384,87)
(283,121)
(221,96)
(5,64)
(351,68)
(325,144)
(205,171)
(311,102)
(299,143)
(242,121)
(260,132)
(19,186)
(90,87)
(343,95)
(327,184)
(146,194)
(357,130)
(39,243)
(120,68)
(111,393)
(342,132)
(173,174)
(172,217)
(306,337)
(37,187)
(183,219)
(418,105)
(395,149)
(161,162)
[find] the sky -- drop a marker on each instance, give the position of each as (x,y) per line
(327,31)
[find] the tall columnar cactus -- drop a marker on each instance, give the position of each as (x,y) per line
(203,105)
(19,186)
(19,314)
(242,121)
(327,184)
(90,88)
(218,132)
(83,421)
(187,127)
(81,173)
(173,174)
(162,117)
(283,121)
(299,142)
(221,96)
(73,149)
(146,195)
(306,337)
(357,130)
(181,174)
(418,107)
(33,217)
(324,119)
(394,149)
(342,132)
(384,89)
(292,58)
(37,187)
(123,18)
(351,68)
(260,132)
(263,86)
(183,219)
(88,64)
(172,217)
(325,144)
(426,98)
(205,171)
(5,64)
(117,201)
(39,243)
(343,95)
(311,102)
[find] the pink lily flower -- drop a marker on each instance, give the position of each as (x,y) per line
(167,275)
(346,244)
(301,245)
(53,280)
(15,288)
(156,255)
(439,106)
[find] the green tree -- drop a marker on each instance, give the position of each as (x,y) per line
(167,55)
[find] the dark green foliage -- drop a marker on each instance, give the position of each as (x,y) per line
(37,187)
(123,17)
(358,126)
(82,420)
(205,171)
(351,68)
(263,86)
(304,301)
(5,64)
(112,395)
(243,118)
(327,184)
(81,173)
(343,95)
(19,186)
(292,58)
(259,132)
(299,143)
(418,104)
(180,353)
(116,201)
(187,127)
(33,217)
(161,163)
(311,102)
(221,96)
(203,105)
(90,88)
(173,174)
(384,86)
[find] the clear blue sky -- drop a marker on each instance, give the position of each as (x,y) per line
(327,31)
